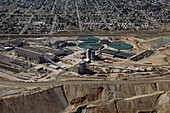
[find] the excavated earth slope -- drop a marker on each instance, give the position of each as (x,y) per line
(92,98)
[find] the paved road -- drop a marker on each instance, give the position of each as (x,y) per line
(25,26)
(9,76)
(29,7)
(127,18)
(53,25)
(54,83)
(52,11)
(52,35)
(78,15)
(102,17)
(32,15)
(54,18)
(9,15)
(65,7)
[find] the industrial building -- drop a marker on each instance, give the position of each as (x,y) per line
(9,45)
(30,55)
(80,54)
(93,57)
(14,43)
(38,55)
(88,54)
(81,68)
(112,53)
(103,40)
(60,44)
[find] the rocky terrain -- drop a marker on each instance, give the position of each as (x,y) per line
(91,98)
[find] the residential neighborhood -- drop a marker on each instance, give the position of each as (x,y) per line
(56,16)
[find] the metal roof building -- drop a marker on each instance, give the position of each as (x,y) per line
(112,53)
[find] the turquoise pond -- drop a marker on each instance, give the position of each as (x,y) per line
(146,38)
(95,46)
(120,45)
(88,39)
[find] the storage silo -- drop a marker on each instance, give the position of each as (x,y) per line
(88,54)
(92,55)
(82,68)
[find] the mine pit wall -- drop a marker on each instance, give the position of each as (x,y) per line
(47,101)
(140,104)
(125,98)
(128,98)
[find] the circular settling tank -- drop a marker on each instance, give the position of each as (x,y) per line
(120,45)
(90,45)
(88,39)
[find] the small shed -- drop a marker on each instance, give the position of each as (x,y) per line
(38,68)
(54,67)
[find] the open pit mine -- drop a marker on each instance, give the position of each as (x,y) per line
(87,74)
